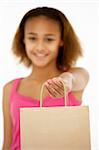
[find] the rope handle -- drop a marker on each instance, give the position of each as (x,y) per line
(42,89)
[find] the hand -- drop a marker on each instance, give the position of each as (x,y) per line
(55,87)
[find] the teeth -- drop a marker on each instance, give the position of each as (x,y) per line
(40,55)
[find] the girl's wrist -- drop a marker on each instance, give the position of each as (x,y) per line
(67,78)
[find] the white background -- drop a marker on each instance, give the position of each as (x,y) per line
(84,16)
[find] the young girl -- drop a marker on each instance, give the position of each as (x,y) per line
(46,41)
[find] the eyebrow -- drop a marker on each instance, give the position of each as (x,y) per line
(48,34)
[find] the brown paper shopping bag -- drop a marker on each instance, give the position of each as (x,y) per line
(55,128)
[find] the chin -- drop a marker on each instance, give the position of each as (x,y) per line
(40,65)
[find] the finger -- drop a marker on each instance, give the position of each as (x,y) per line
(59,89)
(50,92)
(57,81)
(54,88)
(53,91)
(56,84)
(55,95)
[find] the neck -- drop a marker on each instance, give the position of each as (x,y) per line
(43,74)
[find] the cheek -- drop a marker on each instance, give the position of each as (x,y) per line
(55,49)
(28,47)
(28,50)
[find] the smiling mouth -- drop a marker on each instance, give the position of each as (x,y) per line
(40,55)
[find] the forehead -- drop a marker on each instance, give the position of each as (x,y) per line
(42,23)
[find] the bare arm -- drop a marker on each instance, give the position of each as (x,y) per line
(75,80)
(7,118)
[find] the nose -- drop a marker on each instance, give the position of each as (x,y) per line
(40,46)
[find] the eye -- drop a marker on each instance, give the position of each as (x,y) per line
(49,39)
(32,38)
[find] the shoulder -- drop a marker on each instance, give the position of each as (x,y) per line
(8,86)
(6,95)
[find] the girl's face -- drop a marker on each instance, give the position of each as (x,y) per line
(42,39)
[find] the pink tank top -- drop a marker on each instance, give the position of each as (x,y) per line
(18,101)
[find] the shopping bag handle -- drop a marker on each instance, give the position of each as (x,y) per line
(42,89)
